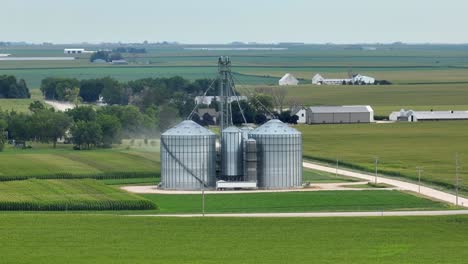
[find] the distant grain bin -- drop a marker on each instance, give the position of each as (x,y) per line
(188,157)
(279,155)
(232,155)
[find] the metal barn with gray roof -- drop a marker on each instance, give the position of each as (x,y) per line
(340,114)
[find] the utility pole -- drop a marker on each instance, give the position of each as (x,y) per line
(457,178)
(420,169)
(376,168)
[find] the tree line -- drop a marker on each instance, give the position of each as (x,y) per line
(83,126)
(10,87)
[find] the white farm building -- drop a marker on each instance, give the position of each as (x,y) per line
(420,116)
(301,113)
(207,100)
(340,114)
(76,51)
(288,79)
(356,79)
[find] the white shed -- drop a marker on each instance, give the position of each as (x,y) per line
(288,79)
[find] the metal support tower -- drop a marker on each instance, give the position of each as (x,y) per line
(225,91)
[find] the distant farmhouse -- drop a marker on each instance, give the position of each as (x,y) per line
(207,100)
(77,51)
(347,114)
(288,79)
(356,79)
(420,116)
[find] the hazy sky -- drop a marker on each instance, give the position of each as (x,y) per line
(220,21)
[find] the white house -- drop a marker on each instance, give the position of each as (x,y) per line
(301,113)
(288,79)
(357,78)
(363,79)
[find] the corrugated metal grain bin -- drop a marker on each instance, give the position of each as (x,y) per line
(188,157)
(232,155)
(279,149)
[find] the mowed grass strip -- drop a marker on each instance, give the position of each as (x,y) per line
(63,164)
(116,239)
(314,176)
(60,195)
(294,202)
(401,147)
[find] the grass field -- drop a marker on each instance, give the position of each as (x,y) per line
(46,163)
(294,202)
(60,195)
(401,147)
(21,105)
(384,99)
(115,239)
(314,176)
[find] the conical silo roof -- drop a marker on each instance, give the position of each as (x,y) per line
(232,129)
(188,128)
(275,127)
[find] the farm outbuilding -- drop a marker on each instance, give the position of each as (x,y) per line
(301,113)
(356,79)
(340,114)
(288,79)
(420,116)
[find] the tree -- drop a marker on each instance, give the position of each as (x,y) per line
(72,95)
(3,127)
(59,88)
(262,103)
(86,134)
(11,88)
(111,129)
(49,126)
(277,94)
(36,106)
(167,117)
(82,113)
(115,93)
(19,127)
(100,55)
(91,89)
(208,119)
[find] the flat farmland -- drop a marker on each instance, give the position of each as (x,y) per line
(61,195)
(400,147)
(116,239)
(383,98)
(323,201)
(65,163)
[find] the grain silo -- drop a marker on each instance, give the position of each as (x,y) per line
(231,153)
(279,155)
(188,157)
